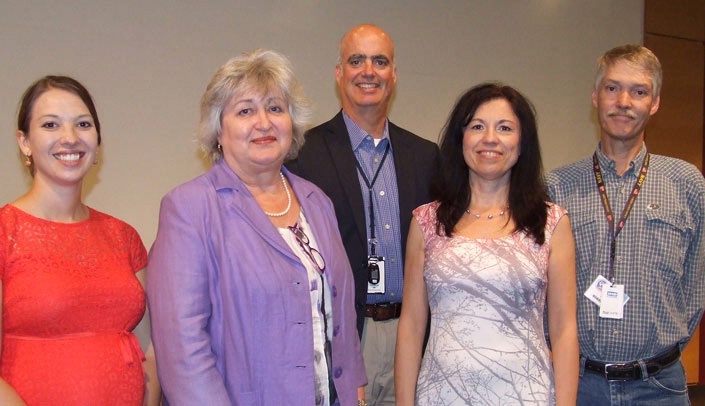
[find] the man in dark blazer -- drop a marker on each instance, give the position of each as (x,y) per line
(375,173)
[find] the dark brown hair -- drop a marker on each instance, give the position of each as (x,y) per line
(527,191)
(38,88)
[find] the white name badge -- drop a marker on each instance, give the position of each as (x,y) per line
(612,302)
(594,292)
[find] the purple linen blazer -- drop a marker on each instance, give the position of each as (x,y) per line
(229,300)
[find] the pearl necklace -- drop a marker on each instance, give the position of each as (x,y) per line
(288,200)
(489,216)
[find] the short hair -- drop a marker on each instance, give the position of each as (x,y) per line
(635,55)
(41,86)
(260,71)
(527,191)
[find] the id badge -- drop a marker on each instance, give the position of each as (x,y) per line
(375,274)
(612,302)
(594,292)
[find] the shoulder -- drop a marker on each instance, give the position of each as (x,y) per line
(106,221)
(567,173)
(198,189)
(555,212)
(410,138)
(564,181)
(426,213)
(334,125)
(678,171)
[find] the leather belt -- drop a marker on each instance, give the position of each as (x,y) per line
(383,311)
(626,371)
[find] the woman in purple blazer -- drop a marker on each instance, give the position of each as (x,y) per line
(249,287)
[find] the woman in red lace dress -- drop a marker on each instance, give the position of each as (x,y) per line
(70,275)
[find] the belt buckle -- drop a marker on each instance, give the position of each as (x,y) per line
(620,376)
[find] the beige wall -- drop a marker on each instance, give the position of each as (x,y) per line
(147,63)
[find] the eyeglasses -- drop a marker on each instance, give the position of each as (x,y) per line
(313,254)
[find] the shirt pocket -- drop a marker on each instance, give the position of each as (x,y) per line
(668,235)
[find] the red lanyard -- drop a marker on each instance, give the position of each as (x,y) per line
(608,209)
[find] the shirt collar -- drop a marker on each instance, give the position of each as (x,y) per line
(608,164)
(357,134)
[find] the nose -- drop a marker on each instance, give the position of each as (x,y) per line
(368,69)
(263,121)
(69,135)
(624,99)
(490,136)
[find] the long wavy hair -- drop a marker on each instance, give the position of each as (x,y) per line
(527,190)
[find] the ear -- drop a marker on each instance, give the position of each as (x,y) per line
(594,98)
(338,72)
(23,143)
(655,105)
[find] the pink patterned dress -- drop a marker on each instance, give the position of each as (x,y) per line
(487,297)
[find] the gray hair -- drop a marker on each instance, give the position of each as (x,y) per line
(260,71)
(635,55)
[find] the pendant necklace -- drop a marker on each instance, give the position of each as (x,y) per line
(489,216)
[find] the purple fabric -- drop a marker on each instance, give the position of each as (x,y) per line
(229,300)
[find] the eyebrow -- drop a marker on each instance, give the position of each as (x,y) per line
(56,116)
(363,56)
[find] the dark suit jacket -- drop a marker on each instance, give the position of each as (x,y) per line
(327,159)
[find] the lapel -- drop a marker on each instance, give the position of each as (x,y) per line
(404,168)
(242,204)
(338,143)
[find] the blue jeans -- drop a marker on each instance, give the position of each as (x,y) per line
(667,388)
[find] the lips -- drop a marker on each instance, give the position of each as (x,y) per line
(264,140)
(489,153)
(368,85)
(69,157)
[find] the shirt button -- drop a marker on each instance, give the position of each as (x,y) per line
(392,260)
(376,160)
(615,332)
(387,226)
(337,372)
(392,294)
(381,193)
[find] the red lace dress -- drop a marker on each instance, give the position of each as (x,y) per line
(69,301)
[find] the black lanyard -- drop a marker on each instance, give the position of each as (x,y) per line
(373,239)
(627,207)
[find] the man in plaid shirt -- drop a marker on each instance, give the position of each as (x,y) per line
(638,225)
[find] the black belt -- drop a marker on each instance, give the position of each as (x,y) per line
(625,371)
(383,311)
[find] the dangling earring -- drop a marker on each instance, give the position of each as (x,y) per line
(220,148)
(28,160)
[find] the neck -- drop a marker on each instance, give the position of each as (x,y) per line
(371,120)
(60,204)
(487,195)
(622,152)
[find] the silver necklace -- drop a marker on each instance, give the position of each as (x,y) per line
(288,200)
(489,216)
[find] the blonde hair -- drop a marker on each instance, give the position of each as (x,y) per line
(635,55)
(260,70)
